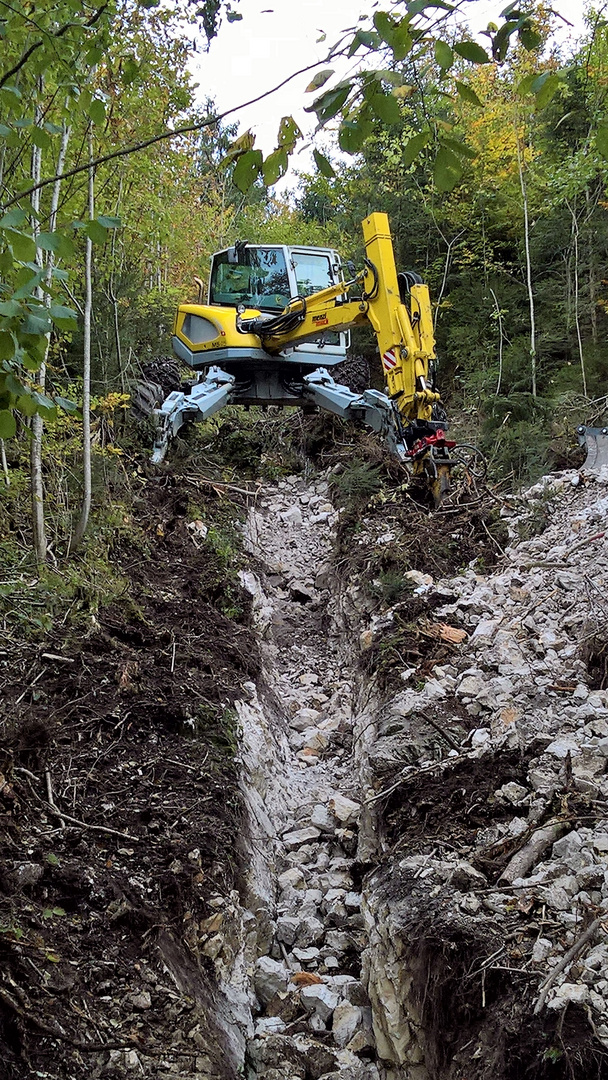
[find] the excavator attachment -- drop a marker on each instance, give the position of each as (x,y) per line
(595,440)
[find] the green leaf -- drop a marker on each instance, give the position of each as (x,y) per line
(470,50)
(386,108)
(28,283)
(385,26)
(63,317)
(366,38)
(467,94)
(330,103)
(57,242)
(524,86)
(274,167)
(41,138)
(26,404)
(247,169)
(447,170)
(13,219)
(233,16)
(97,111)
(289,133)
(4,131)
(8,425)
(109,222)
(546,91)
(414,146)
(22,246)
(502,40)
(459,148)
(352,134)
(130,70)
(402,41)
(96,231)
(444,55)
(37,322)
(11,91)
(7,345)
(601,140)
(319,80)
(10,309)
(45,406)
(58,911)
(52,860)
(323,165)
(416,7)
(69,407)
(529,38)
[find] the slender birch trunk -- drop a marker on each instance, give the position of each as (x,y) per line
(38,518)
(37,486)
(83,521)
(577,321)
(524,196)
(500,341)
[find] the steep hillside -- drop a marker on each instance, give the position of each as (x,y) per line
(342,816)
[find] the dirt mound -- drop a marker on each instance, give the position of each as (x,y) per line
(111,894)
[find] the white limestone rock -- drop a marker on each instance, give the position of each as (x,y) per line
(346,1021)
(569,993)
(320,1000)
(299,837)
(270,978)
(345,810)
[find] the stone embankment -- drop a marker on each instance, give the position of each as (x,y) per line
(426,874)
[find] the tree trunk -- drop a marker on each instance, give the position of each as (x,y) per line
(577,321)
(39,538)
(524,196)
(38,521)
(500,341)
(83,521)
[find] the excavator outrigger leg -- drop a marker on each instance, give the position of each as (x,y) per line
(205,398)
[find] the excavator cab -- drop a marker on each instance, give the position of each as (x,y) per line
(268,277)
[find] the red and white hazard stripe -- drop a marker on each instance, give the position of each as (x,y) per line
(389,360)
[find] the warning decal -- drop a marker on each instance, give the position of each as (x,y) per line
(389,360)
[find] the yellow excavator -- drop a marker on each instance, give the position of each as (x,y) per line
(278,319)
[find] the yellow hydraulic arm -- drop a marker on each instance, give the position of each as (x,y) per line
(405,337)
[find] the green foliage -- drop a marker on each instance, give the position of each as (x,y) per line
(356,484)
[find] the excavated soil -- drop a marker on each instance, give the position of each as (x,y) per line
(128,724)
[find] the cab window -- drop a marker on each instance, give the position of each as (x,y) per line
(260,282)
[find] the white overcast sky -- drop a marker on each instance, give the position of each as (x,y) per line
(278,37)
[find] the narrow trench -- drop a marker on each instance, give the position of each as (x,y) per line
(312,1016)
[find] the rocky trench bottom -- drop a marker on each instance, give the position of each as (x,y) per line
(312,1014)
(425,870)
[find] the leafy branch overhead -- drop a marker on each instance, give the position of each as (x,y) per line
(396,51)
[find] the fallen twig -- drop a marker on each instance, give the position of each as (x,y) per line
(530,853)
(94,828)
(66,817)
(49,794)
(572,953)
